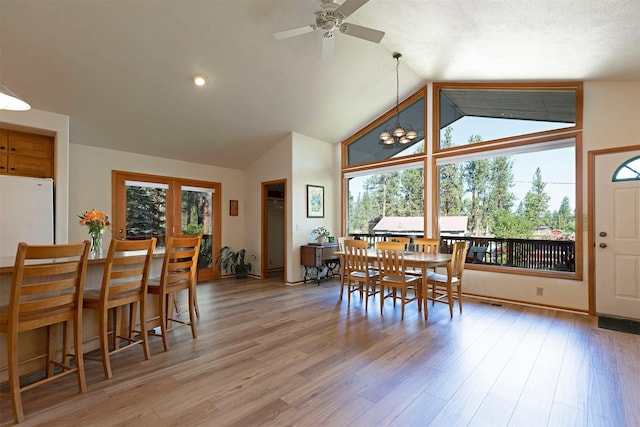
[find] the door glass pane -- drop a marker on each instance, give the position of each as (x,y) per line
(197,218)
(146,211)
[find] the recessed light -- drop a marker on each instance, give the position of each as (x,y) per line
(198,80)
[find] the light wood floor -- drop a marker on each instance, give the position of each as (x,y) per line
(274,355)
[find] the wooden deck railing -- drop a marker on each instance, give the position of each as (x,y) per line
(535,254)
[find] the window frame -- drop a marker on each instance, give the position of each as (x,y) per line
(497,145)
(438,86)
(432,153)
(173,209)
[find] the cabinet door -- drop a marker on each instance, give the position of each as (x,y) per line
(29,166)
(4,141)
(3,164)
(27,144)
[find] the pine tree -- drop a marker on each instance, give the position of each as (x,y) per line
(536,202)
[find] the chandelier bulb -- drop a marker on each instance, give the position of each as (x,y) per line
(412,134)
(399,132)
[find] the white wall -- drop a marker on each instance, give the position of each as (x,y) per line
(274,165)
(300,160)
(57,125)
(611,119)
(314,163)
(90,185)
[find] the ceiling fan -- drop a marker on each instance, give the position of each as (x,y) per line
(330,18)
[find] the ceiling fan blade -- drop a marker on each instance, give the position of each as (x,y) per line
(328,47)
(362,32)
(351,6)
(294,32)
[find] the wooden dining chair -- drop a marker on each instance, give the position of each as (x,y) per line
(360,276)
(46,292)
(406,241)
(178,273)
(427,246)
(124,283)
(442,285)
(393,275)
(343,271)
(195,288)
(423,245)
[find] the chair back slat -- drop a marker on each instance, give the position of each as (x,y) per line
(44,269)
(126,268)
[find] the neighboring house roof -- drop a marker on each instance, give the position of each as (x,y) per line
(415,224)
(453,223)
(400,224)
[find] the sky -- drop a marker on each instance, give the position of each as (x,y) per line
(556,166)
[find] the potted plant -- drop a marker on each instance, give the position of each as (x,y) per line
(234,262)
(320,233)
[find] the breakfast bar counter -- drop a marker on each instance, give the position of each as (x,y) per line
(32,343)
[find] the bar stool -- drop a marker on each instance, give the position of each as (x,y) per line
(124,282)
(178,273)
(46,290)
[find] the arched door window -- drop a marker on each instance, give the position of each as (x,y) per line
(628,171)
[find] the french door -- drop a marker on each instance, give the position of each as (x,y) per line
(156,206)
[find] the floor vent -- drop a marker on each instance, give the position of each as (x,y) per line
(495,304)
(622,325)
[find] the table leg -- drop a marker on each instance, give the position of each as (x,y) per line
(423,292)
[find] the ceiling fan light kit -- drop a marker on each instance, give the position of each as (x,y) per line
(11,101)
(332,17)
(397,134)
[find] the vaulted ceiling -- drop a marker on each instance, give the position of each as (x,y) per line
(122,69)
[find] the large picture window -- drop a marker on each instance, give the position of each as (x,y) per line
(503,176)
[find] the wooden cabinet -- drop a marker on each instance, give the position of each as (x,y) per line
(26,154)
(319,261)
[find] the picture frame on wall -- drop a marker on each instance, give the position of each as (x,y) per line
(315,201)
(233,207)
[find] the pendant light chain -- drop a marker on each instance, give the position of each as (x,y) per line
(397,135)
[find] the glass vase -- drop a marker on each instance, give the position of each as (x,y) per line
(96,243)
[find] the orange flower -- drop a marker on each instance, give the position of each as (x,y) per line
(95,220)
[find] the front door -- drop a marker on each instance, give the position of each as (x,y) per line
(617,235)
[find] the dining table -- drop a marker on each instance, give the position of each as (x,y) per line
(412,259)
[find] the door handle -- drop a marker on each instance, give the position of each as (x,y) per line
(603,234)
(603,245)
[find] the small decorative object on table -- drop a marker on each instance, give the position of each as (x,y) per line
(96,221)
(320,233)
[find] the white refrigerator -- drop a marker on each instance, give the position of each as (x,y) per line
(26,212)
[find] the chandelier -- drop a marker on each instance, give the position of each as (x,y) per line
(397,134)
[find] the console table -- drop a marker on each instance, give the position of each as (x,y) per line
(319,261)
